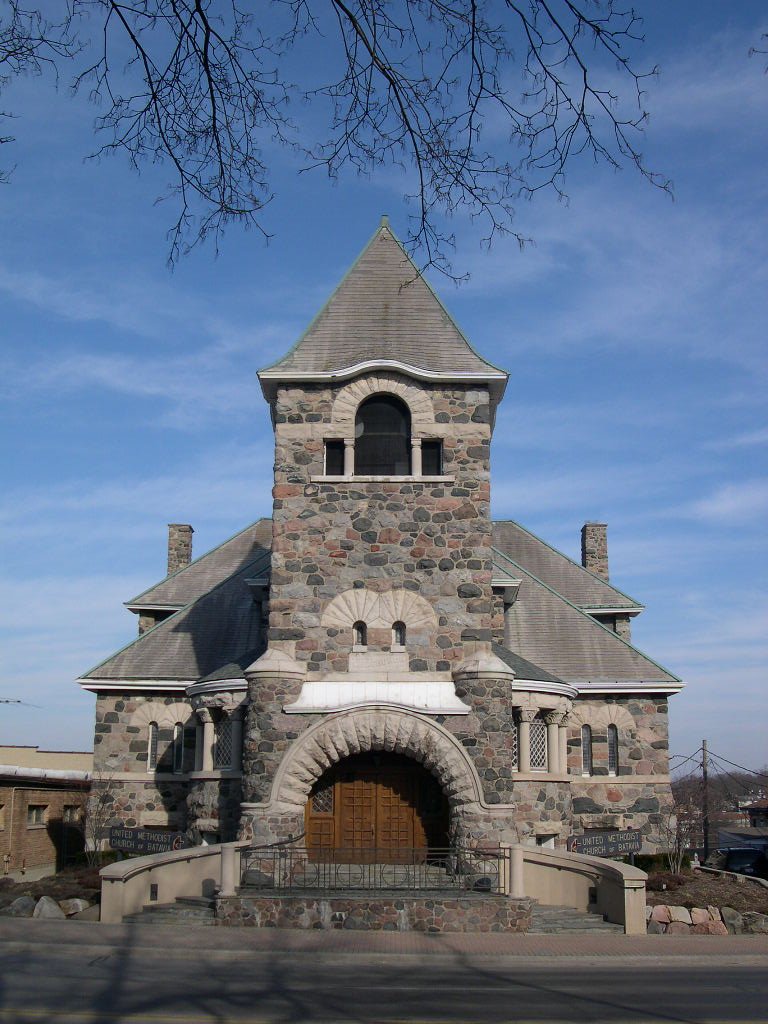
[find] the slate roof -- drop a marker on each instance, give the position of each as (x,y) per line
(383,310)
(577,584)
(547,629)
(217,632)
(187,584)
(523,669)
(218,629)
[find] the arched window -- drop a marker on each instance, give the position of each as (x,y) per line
(383,437)
(178,748)
(613,750)
(152,747)
(398,634)
(360,634)
(586,750)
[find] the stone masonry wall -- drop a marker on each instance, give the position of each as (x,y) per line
(430,537)
(604,801)
(120,747)
(439,913)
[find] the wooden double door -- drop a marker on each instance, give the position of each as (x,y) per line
(376,807)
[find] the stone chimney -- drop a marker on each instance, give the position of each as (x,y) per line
(594,549)
(179,546)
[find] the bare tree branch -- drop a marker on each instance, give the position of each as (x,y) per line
(479,103)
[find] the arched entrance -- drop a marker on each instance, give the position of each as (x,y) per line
(374,806)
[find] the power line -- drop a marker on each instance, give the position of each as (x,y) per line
(741,767)
(689,758)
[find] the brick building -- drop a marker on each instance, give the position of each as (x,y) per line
(380,664)
(42,805)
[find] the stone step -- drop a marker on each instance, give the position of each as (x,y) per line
(566,920)
(183,911)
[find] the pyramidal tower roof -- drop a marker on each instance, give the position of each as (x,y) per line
(383,315)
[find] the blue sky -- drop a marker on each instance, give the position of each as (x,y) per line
(634,332)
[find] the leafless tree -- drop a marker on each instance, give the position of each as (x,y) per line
(99,814)
(481,102)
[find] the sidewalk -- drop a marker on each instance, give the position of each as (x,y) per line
(254,941)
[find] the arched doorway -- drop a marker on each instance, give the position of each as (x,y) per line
(374,806)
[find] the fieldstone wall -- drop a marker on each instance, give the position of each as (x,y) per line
(430,537)
(120,747)
(213,805)
(440,913)
(643,732)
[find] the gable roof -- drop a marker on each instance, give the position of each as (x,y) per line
(187,584)
(383,312)
(577,584)
(545,628)
(221,628)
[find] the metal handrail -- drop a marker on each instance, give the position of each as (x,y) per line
(286,867)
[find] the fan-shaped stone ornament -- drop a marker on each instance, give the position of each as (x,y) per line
(349,398)
(379,610)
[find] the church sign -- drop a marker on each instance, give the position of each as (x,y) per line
(144,840)
(606,844)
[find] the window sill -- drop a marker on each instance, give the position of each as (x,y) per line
(31,828)
(382,479)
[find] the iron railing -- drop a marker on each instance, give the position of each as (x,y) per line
(287,867)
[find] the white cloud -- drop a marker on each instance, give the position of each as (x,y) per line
(732,503)
(751,438)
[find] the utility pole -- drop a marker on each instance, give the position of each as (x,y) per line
(705,800)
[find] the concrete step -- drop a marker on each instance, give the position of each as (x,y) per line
(183,911)
(566,920)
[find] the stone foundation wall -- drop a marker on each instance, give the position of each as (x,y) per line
(139,804)
(440,913)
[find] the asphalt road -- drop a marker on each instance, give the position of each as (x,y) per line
(105,980)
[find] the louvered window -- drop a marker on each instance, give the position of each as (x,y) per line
(383,437)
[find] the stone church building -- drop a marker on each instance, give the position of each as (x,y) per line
(381,665)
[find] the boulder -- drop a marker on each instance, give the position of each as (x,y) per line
(754,923)
(655,928)
(703,928)
(48,907)
(717,928)
(681,914)
(732,920)
(661,914)
(678,928)
(22,906)
(648,912)
(73,906)
(699,916)
(714,914)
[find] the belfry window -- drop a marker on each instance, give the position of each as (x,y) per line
(152,747)
(398,634)
(383,437)
(360,634)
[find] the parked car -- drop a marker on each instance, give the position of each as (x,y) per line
(743,860)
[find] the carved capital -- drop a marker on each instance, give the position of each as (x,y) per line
(554,717)
(527,714)
(204,715)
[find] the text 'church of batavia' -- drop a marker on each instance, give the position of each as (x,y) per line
(380,665)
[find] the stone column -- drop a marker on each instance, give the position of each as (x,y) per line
(208,738)
(416,456)
(527,715)
(237,738)
(553,719)
(349,456)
